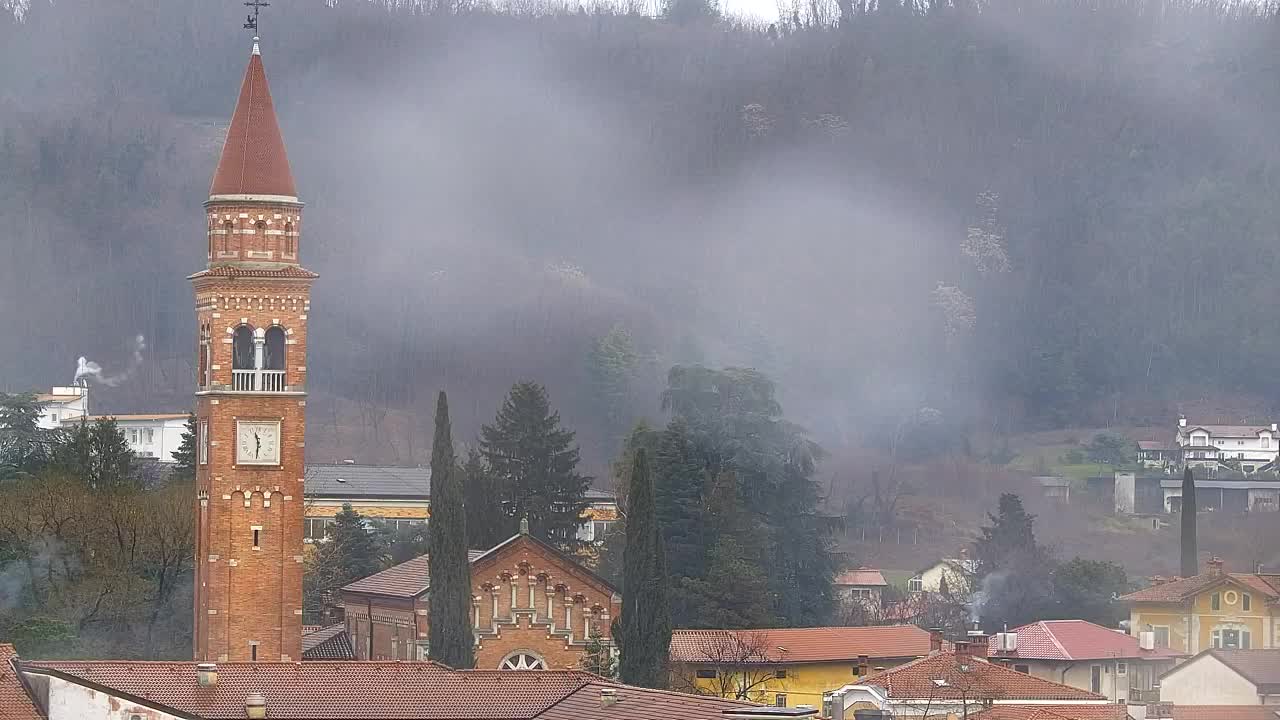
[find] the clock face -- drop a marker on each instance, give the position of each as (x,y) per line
(258,442)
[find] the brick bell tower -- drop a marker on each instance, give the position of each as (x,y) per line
(252,303)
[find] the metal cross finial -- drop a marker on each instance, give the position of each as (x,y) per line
(251,21)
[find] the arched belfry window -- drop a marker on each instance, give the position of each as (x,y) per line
(290,242)
(228,234)
(242,348)
(274,359)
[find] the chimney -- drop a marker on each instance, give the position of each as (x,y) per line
(608,697)
(255,706)
(207,674)
(1215,566)
(863,662)
(1274,427)
(935,639)
(1182,421)
(963,654)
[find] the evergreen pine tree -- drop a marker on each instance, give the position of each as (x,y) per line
(451,638)
(487,525)
(1190,559)
(804,565)
(645,633)
(351,551)
(612,362)
(184,457)
(733,591)
(23,445)
(534,462)
(1016,573)
(97,453)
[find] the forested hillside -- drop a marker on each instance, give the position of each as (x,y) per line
(1002,215)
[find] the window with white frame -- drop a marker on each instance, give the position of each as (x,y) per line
(204,442)
(150,435)
(915,584)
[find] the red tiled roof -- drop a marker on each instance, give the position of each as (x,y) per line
(939,676)
(1076,640)
(638,704)
(253,158)
(1054,712)
(234,271)
(1224,712)
(408,579)
(382,691)
(1184,588)
(861,576)
(331,689)
(802,645)
(15,704)
(328,643)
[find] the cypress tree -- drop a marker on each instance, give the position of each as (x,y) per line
(1190,565)
(451,638)
(644,635)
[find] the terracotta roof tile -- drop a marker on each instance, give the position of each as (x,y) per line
(1076,640)
(822,644)
(1107,711)
(328,643)
(861,576)
(1184,588)
(408,579)
(15,704)
(921,679)
(237,271)
(323,689)
(638,704)
(253,158)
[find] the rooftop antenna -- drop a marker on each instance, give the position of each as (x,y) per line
(251,21)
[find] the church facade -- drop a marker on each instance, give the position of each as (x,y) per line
(252,302)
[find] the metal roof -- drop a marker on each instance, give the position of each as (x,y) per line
(349,481)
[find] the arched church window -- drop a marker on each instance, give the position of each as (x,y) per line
(290,242)
(275,344)
(522,660)
(242,348)
(228,233)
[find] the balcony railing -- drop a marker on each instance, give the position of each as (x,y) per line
(244,380)
(258,380)
(272,381)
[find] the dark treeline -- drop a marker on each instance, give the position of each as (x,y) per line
(1024,213)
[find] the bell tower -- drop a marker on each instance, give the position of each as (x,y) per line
(252,302)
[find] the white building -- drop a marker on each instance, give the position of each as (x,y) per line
(957,573)
(63,403)
(149,436)
(1224,677)
(1247,448)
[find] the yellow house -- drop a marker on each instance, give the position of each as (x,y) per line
(789,667)
(402,496)
(1214,609)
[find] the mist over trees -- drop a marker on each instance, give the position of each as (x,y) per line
(1067,204)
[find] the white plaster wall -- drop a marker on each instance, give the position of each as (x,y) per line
(68,701)
(1206,681)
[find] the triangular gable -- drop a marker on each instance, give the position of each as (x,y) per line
(523,546)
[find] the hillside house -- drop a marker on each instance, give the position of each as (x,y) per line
(157,436)
(1246,448)
(954,575)
(62,403)
(862,586)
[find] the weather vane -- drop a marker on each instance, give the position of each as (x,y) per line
(251,21)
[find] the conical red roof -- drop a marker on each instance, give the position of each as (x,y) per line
(253,159)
